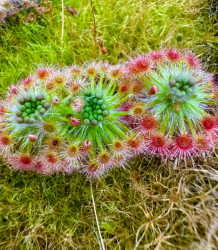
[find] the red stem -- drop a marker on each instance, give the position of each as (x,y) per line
(94,30)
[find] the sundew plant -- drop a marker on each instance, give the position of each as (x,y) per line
(61,120)
(179,99)
(96,117)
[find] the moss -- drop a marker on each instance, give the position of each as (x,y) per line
(148,204)
(123,26)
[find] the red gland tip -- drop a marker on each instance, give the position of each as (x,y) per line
(13,89)
(184,142)
(55,100)
(208,123)
(75,122)
(33,138)
(153,90)
(88,144)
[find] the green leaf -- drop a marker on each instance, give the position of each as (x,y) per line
(65,129)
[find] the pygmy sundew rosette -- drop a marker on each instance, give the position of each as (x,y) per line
(179,99)
(61,120)
(94,116)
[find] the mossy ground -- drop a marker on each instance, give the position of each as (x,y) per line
(148,206)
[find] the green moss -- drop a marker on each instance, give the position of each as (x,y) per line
(38,212)
(123,26)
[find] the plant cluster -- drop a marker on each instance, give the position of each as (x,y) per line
(179,100)
(8,8)
(12,7)
(97,117)
(64,120)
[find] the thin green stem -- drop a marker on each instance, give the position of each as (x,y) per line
(113,89)
(191,125)
(109,88)
(181,121)
(101,82)
(125,128)
(116,130)
(107,131)
(98,140)
(172,128)
(121,113)
(80,135)
(161,109)
(94,31)
(92,84)
(104,85)
(29,147)
(93,148)
(164,125)
(115,97)
(62,33)
(122,100)
(103,136)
